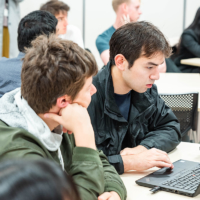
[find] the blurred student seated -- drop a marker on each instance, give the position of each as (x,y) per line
(189,46)
(126,11)
(56,89)
(65,31)
(35,180)
(32,25)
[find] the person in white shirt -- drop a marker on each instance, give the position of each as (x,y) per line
(65,31)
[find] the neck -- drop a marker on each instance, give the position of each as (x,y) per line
(118,21)
(120,87)
(49,122)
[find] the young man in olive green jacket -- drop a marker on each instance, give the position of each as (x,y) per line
(56,90)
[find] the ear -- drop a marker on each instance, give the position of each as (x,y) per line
(63,101)
(124,8)
(120,62)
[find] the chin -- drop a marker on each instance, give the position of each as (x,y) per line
(143,91)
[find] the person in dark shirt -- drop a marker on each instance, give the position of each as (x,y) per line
(132,124)
(189,46)
(31,26)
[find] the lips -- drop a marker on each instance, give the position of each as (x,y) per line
(149,85)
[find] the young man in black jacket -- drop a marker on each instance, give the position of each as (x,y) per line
(132,124)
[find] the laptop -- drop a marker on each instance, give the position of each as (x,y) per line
(183,179)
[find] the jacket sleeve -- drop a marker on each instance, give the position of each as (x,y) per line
(113,181)
(164,128)
(191,44)
(87,172)
(117,162)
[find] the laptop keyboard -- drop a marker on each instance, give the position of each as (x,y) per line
(188,181)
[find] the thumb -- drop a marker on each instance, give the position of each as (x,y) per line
(54,117)
(104,196)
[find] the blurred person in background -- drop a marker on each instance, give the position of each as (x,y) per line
(126,11)
(189,45)
(35,180)
(9,19)
(65,31)
(32,25)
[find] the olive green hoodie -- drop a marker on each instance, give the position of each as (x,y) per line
(89,168)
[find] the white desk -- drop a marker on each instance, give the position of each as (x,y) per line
(187,151)
(191,61)
(176,83)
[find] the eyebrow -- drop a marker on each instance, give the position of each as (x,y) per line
(151,63)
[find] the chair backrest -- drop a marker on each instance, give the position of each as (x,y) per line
(185,107)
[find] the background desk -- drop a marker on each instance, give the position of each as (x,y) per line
(176,83)
(187,151)
(191,61)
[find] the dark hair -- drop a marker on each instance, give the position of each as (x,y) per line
(195,26)
(34,24)
(136,39)
(53,67)
(55,7)
(35,180)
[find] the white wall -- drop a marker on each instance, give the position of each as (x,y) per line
(192,6)
(99,17)
(165,14)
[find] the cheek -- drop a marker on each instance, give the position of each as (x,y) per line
(87,100)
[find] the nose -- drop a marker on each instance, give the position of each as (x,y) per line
(93,90)
(155,75)
(140,11)
(66,21)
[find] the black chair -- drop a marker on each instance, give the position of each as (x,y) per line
(185,107)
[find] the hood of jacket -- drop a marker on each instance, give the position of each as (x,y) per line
(15,112)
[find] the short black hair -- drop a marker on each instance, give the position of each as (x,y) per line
(34,24)
(135,39)
(35,180)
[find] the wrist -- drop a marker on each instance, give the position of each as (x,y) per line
(84,136)
(128,162)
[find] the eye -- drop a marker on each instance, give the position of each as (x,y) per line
(149,67)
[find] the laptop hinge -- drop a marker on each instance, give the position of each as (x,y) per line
(197,191)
